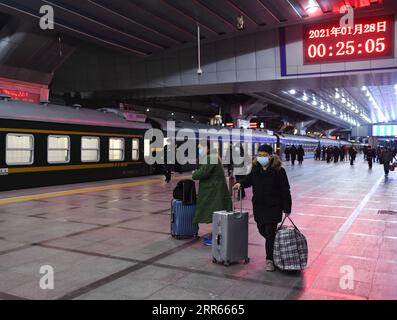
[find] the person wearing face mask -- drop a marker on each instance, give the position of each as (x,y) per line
(271,196)
(213,194)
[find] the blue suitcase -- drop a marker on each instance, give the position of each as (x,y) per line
(182,216)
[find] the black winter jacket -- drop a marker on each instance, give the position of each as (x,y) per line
(271,191)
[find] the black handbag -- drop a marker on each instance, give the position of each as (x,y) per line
(185,191)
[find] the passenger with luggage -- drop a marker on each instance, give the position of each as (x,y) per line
(213,194)
(271,196)
(301,154)
(386,157)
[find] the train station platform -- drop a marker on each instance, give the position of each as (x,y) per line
(110,240)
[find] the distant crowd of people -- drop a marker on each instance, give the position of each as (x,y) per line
(294,153)
(335,154)
(381,155)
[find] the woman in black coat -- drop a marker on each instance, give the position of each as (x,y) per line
(301,154)
(271,196)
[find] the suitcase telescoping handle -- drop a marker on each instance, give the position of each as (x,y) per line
(238,214)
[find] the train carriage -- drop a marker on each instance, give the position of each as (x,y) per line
(50,144)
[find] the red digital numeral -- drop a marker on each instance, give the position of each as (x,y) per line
(350,47)
(312,51)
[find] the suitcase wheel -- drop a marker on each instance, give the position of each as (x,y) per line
(246,261)
(226,263)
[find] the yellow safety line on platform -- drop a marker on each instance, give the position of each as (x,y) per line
(82,190)
(71,167)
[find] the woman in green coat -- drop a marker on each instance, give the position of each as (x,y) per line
(213,192)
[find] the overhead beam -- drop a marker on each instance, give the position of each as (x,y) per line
(189,17)
(62,25)
(103,25)
(132,21)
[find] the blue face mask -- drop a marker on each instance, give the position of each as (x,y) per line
(264,161)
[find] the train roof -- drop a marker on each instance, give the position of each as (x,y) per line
(21,110)
(218,131)
(293,137)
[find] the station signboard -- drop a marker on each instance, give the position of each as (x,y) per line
(21,95)
(384,130)
(369,38)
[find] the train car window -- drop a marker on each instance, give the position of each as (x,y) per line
(58,150)
(90,149)
(146,148)
(135,149)
(19,149)
(116,149)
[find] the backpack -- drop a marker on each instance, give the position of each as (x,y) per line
(185,191)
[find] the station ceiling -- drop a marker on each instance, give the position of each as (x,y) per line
(143,27)
(345,106)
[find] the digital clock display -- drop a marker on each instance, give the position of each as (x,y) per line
(370,38)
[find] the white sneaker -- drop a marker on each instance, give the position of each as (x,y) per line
(269,266)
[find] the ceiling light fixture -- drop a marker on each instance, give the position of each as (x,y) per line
(312,7)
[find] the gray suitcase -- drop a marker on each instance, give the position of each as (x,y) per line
(230,236)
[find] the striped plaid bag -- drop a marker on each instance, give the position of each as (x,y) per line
(290,248)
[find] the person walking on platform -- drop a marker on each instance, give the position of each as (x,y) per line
(301,153)
(287,152)
(293,152)
(329,154)
(271,196)
(370,153)
(167,168)
(336,154)
(213,194)
(378,153)
(385,159)
(365,151)
(342,154)
(324,153)
(318,153)
(352,155)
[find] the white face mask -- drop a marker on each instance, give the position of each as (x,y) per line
(264,161)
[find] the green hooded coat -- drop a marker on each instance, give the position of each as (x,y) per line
(213,192)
